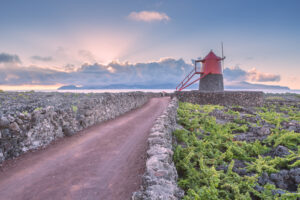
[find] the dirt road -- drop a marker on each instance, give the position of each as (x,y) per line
(103,162)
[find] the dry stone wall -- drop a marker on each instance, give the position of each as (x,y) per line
(32,120)
(160,179)
(226,98)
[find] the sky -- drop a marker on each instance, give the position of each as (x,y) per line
(50,43)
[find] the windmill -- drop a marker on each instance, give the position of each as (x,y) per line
(211,73)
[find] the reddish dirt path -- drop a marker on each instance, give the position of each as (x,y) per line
(105,161)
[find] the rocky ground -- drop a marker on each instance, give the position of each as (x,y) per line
(240,152)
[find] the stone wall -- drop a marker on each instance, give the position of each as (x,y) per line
(211,82)
(32,120)
(160,179)
(242,98)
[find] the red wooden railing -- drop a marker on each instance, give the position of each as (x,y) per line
(185,83)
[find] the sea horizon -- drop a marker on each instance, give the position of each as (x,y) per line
(151,90)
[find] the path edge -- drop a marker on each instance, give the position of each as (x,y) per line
(160,178)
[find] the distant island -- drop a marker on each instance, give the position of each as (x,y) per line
(246,85)
(238,85)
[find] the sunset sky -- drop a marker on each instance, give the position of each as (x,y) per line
(49,43)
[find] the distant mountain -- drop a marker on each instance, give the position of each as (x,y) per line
(237,85)
(246,85)
(69,87)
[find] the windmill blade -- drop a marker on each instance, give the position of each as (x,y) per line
(222,56)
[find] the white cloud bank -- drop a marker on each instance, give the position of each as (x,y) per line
(148,16)
(165,71)
(252,75)
(256,76)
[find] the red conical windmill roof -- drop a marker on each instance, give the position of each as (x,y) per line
(212,64)
(211,55)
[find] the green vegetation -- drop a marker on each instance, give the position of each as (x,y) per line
(76,95)
(23,95)
(291,111)
(275,98)
(271,165)
(25,112)
(1,91)
(273,117)
(74,108)
(204,146)
(38,109)
(276,114)
(231,112)
(283,137)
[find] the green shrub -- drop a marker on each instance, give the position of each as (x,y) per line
(283,137)
(275,98)
(74,108)
(209,145)
(273,117)
(25,112)
(231,112)
(38,109)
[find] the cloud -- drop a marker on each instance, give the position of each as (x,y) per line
(87,56)
(256,76)
(164,71)
(238,74)
(20,75)
(69,67)
(235,74)
(167,70)
(148,16)
(41,58)
(8,58)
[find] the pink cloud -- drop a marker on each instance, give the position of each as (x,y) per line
(256,76)
(148,16)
